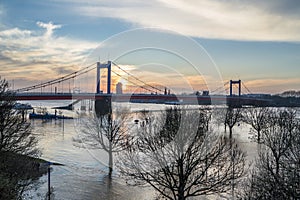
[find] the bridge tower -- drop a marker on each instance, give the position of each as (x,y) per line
(235,82)
(103,105)
(99,67)
(233,101)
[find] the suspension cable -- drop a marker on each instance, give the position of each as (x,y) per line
(219,88)
(136,78)
(58,80)
(127,79)
(246,88)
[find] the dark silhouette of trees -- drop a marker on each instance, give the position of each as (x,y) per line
(232,117)
(258,119)
(108,132)
(17,169)
(15,133)
(19,173)
(290,93)
(172,118)
(229,117)
(276,174)
(187,160)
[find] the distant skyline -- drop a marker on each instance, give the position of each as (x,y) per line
(255,41)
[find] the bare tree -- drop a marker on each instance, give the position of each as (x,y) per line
(172,118)
(108,132)
(229,117)
(15,133)
(286,119)
(276,174)
(258,119)
(17,169)
(191,162)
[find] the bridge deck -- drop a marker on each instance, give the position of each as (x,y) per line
(149,98)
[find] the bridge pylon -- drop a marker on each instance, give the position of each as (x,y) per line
(99,67)
(234,101)
(235,82)
(103,106)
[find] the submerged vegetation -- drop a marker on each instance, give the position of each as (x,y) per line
(179,154)
(276,172)
(107,132)
(180,157)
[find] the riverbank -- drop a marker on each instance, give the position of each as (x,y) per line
(18,173)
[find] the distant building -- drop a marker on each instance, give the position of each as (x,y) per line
(258,95)
(205,93)
(119,89)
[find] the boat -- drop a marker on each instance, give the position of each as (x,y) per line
(42,113)
(22,106)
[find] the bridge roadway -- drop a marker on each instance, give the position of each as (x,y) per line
(145,98)
(138,98)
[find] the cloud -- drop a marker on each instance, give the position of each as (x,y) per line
(14,33)
(39,55)
(272,85)
(50,27)
(234,20)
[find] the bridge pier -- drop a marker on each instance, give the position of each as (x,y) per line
(103,106)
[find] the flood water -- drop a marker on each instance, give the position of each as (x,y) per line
(84,174)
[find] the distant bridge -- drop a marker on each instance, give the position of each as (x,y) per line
(148,98)
(158,95)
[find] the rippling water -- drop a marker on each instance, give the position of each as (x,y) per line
(84,176)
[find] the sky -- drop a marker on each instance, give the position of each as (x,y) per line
(174,43)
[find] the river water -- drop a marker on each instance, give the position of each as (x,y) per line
(84,174)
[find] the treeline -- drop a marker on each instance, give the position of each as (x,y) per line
(19,168)
(178,153)
(290,93)
(276,172)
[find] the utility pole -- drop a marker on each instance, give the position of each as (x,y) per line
(49,182)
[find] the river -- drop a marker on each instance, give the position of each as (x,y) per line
(83,176)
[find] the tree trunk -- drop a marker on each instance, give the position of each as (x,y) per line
(181,179)
(232,160)
(232,180)
(258,136)
(277,166)
(230,132)
(110,160)
(181,193)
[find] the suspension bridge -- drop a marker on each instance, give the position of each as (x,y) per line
(151,93)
